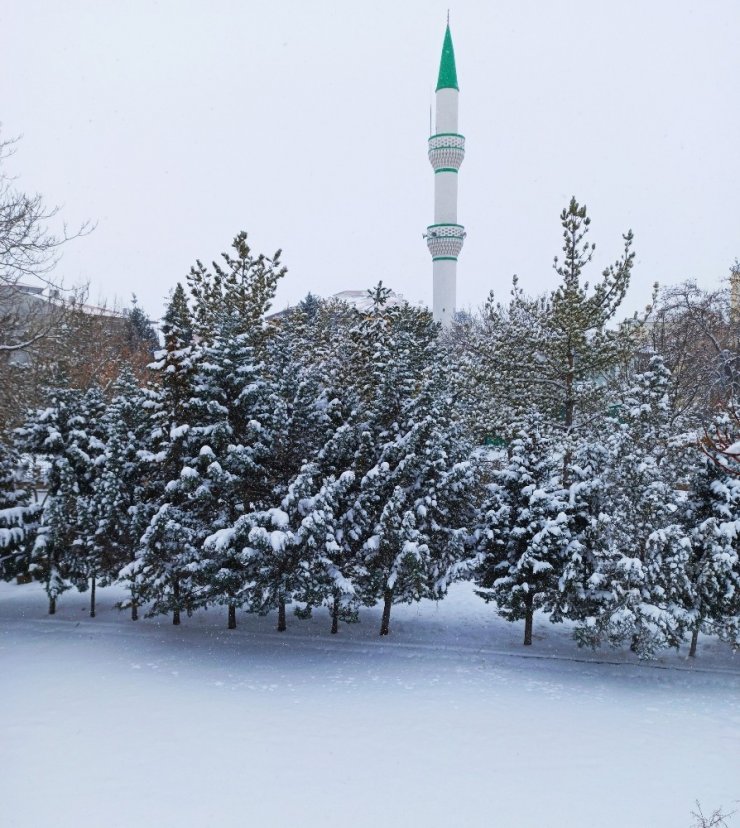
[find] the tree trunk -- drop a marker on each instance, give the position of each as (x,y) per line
(569,411)
(694,641)
(282,626)
(387,604)
(176,596)
(52,605)
(232,616)
(134,611)
(92,596)
(335,616)
(528,618)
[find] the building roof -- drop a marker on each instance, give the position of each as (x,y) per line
(359,299)
(24,295)
(447,70)
(363,301)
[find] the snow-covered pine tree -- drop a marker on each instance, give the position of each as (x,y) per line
(322,502)
(298,413)
(141,332)
(170,544)
(93,556)
(304,410)
(227,444)
(404,510)
(242,287)
(19,512)
(425,485)
(645,587)
(388,362)
(438,472)
(551,353)
(288,551)
(330,525)
(712,522)
(524,532)
(234,410)
(62,437)
(121,503)
(589,495)
(331,574)
(337,473)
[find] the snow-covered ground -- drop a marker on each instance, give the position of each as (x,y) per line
(450,722)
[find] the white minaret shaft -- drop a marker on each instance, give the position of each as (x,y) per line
(446,152)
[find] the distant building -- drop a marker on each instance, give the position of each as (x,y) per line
(28,313)
(359,299)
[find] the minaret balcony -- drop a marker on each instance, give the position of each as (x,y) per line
(445,241)
(446,151)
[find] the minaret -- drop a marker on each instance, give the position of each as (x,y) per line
(446,152)
(735,292)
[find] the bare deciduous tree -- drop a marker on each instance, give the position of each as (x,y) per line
(717,819)
(698,335)
(33,303)
(29,249)
(721,440)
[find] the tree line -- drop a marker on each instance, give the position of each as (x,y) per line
(558,458)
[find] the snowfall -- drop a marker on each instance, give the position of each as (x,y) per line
(448,722)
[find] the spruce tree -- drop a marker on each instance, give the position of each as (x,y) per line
(423,485)
(589,504)
(170,544)
(712,520)
(94,557)
(645,584)
(121,503)
(63,437)
(412,538)
(19,512)
(234,411)
(524,533)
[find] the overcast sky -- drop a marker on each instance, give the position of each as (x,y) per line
(173,125)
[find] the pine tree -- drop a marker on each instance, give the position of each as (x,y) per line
(19,513)
(645,585)
(524,532)
(332,478)
(170,543)
(423,484)
(551,353)
(121,505)
(233,411)
(242,288)
(93,557)
(590,554)
(712,520)
(296,414)
(63,437)
(141,332)
(412,541)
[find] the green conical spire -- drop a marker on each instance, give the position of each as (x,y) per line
(447,71)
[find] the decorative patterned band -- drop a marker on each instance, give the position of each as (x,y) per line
(445,241)
(446,151)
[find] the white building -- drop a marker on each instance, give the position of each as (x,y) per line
(446,152)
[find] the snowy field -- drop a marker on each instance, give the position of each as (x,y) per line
(450,722)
